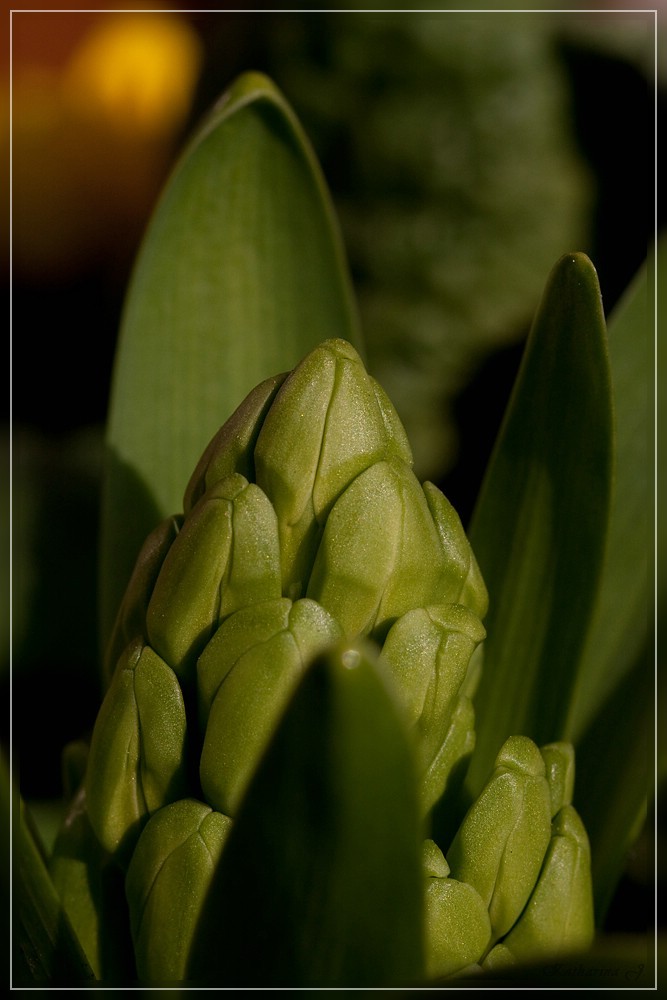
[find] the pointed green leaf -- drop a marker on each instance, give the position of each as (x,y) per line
(45,949)
(540,523)
(320,883)
(615,686)
(240,274)
(618,630)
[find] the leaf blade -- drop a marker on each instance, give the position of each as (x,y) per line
(540,523)
(321,875)
(241,272)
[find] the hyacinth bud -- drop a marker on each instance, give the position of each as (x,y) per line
(166,885)
(457,929)
(225,556)
(558,918)
(559,765)
(429,651)
(328,422)
(131,618)
(380,555)
(463,582)
(137,757)
(232,448)
(446,770)
(248,672)
(500,846)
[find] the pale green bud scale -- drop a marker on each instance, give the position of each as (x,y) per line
(501,843)
(456,921)
(559,764)
(379,555)
(456,748)
(429,650)
(131,618)
(137,752)
(463,582)
(328,422)
(167,882)
(558,918)
(225,556)
(232,448)
(254,691)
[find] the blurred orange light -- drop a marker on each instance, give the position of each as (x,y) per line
(136,72)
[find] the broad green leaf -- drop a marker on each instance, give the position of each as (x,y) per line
(240,274)
(320,881)
(540,523)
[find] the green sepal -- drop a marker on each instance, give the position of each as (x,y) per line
(429,651)
(225,556)
(167,883)
(247,674)
(342,422)
(131,618)
(558,918)
(334,896)
(137,759)
(457,929)
(380,555)
(500,846)
(232,448)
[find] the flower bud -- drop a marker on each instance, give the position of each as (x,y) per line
(232,448)
(464,583)
(131,618)
(328,422)
(137,751)
(445,772)
(247,673)
(500,846)
(166,885)
(558,918)
(429,651)
(457,930)
(225,556)
(380,554)
(559,764)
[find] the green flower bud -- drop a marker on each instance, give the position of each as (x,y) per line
(166,885)
(329,421)
(559,764)
(137,751)
(247,673)
(444,774)
(225,556)
(131,618)
(429,652)
(500,846)
(464,582)
(380,554)
(558,918)
(232,448)
(457,929)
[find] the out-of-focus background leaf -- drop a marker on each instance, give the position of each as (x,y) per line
(465,154)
